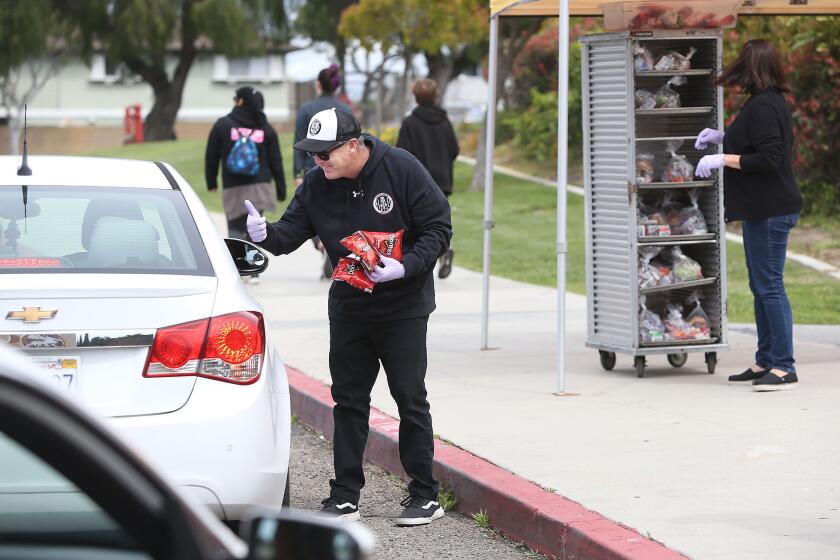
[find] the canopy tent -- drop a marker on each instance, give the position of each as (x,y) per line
(563,9)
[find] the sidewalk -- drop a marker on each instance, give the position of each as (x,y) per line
(711,470)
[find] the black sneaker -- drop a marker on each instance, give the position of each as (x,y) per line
(418,511)
(748,375)
(344,511)
(446,264)
(772,382)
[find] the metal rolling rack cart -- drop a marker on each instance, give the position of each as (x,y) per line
(614,133)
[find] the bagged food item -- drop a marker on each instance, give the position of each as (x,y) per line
(649,276)
(385,243)
(697,319)
(666,274)
(642,58)
(652,222)
(349,269)
(651,328)
(685,268)
(678,169)
(644,167)
(687,220)
(676,327)
(666,97)
(644,99)
(674,61)
(359,245)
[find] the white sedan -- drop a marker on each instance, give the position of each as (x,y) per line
(116,282)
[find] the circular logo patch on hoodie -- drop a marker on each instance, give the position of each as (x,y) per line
(383,203)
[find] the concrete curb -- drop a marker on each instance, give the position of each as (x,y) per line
(525,512)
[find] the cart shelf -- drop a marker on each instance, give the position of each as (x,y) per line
(683,185)
(678,286)
(664,111)
(691,342)
(665,138)
(669,73)
(678,239)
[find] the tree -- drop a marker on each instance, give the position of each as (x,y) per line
(142,33)
(32,45)
(318,20)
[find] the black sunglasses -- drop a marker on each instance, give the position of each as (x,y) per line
(325,156)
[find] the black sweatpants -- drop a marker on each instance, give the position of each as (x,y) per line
(356,348)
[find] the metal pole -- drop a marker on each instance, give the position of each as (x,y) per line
(488,175)
(562,179)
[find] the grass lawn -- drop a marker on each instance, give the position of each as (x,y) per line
(524,236)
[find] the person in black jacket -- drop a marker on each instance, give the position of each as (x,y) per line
(329,80)
(760,190)
(428,134)
(361,183)
(246,119)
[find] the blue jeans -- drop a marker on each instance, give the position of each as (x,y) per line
(765,246)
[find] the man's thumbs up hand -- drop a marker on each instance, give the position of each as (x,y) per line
(256,224)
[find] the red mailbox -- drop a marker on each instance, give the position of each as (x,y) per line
(133,124)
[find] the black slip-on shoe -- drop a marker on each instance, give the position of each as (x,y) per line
(747,375)
(418,511)
(344,511)
(772,382)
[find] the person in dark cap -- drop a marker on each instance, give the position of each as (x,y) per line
(245,124)
(328,82)
(360,183)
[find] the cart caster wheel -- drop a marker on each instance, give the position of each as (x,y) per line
(677,360)
(711,361)
(639,362)
(607,359)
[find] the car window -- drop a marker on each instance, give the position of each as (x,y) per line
(38,505)
(94,229)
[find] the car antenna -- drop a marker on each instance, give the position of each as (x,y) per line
(24,169)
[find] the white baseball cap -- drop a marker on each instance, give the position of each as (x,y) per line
(327,129)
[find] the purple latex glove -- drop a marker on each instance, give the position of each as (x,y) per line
(388,269)
(257,229)
(707,164)
(708,136)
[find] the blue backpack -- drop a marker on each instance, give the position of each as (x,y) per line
(244,159)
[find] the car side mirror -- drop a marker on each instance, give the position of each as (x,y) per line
(248,258)
(290,535)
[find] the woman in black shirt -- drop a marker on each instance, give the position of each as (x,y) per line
(760,190)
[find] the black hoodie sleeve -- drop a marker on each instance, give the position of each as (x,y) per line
(299,163)
(211,157)
(404,137)
(431,221)
(275,162)
(454,148)
(291,230)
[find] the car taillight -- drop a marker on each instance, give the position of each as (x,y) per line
(226,348)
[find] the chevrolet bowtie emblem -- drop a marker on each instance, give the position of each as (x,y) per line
(32,314)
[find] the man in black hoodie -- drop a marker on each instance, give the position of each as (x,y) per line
(247,119)
(361,183)
(428,135)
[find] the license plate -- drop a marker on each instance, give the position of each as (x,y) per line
(63,370)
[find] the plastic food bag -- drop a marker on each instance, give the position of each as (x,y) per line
(350,270)
(685,268)
(642,58)
(697,319)
(674,61)
(687,220)
(359,245)
(651,328)
(644,167)
(649,275)
(666,97)
(678,169)
(385,243)
(676,327)
(652,222)
(644,99)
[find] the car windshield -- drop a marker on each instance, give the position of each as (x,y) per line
(95,229)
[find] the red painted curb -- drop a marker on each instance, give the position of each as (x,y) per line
(525,512)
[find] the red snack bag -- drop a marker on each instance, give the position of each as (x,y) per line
(361,247)
(385,243)
(349,270)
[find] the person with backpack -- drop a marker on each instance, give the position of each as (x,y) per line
(249,151)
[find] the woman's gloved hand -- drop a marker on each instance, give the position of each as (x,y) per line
(707,164)
(388,269)
(256,224)
(708,136)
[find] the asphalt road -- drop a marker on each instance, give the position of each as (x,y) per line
(453,536)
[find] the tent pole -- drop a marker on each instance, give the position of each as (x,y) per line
(562,180)
(488,175)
